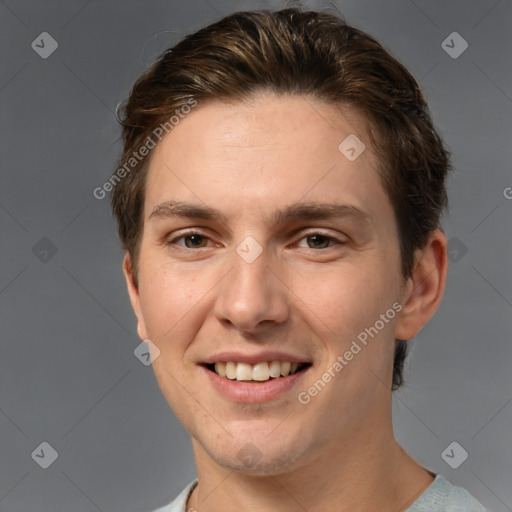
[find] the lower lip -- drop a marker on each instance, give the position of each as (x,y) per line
(253,392)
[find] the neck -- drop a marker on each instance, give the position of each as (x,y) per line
(365,470)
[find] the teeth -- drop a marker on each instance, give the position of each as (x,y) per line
(275,369)
(231,370)
(243,371)
(220,368)
(258,372)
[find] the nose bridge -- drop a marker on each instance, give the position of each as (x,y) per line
(250,294)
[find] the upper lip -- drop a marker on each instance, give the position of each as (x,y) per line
(244,357)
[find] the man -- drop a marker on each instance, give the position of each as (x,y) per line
(279,199)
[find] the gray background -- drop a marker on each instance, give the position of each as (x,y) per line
(68,375)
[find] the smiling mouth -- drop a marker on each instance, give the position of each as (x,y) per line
(259,372)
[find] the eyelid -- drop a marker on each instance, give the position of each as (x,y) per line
(171,240)
(316,231)
(303,234)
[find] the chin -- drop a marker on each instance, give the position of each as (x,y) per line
(257,455)
(265,466)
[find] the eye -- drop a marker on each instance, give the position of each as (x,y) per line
(190,241)
(318,241)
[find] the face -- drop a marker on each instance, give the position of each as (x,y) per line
(268,254)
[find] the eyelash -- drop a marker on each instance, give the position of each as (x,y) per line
(172,242)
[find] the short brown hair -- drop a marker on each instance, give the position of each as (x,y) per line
(295,52)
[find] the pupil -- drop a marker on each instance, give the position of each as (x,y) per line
(319,240)
(194,240)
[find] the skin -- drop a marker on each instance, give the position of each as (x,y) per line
(305,294)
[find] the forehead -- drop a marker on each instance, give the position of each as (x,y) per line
(267,152)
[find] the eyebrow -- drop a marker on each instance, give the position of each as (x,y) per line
(312,211)
(294,212)
(171,209)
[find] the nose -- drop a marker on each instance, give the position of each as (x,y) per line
(252,296)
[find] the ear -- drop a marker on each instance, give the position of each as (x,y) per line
(133,292)
(424,289)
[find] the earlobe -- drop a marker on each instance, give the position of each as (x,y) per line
(134,295)
(424,289)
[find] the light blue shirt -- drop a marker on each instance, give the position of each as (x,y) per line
(440,496)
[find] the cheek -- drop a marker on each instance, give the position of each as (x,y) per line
(343,305)
(342,299)
(167,297)
(171,306)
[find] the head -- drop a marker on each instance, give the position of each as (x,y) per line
(238,131)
